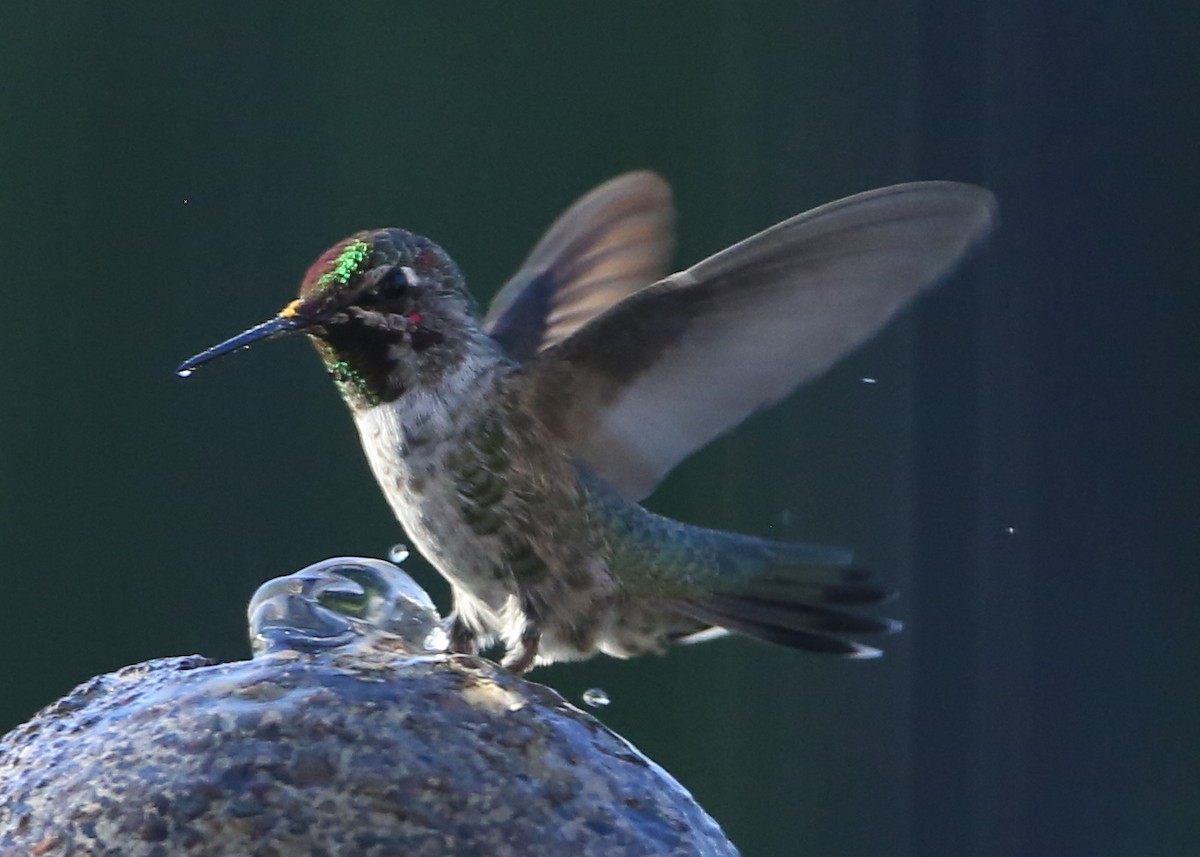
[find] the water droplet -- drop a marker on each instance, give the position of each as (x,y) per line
(185,202)
(596,697)
(398,553)
(869,381)
(1010,530)
(437,640)
(185,373)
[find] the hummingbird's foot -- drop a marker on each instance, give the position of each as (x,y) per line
(520,660)
(463,639)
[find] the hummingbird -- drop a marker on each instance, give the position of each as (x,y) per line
(514,446)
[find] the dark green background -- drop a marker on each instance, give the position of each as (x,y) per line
(167,172)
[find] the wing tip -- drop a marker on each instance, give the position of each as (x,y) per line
(652,183)
(975,206)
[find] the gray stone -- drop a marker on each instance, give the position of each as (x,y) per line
(356,750)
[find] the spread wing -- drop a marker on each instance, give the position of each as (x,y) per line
(612,242)
(640,387)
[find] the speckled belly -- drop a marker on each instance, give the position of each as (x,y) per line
(426,503)
(513,541)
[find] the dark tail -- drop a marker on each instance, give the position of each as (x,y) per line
(796,595)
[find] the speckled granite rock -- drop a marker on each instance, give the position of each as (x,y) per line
(333,749)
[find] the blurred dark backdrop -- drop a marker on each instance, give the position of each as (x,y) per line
(1024,468)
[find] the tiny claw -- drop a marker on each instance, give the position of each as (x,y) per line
(463,639)
(521,660)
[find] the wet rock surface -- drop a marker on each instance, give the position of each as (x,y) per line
(360,750)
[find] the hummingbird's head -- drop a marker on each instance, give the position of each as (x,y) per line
(387,310)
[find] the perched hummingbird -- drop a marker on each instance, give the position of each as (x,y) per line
(514,448)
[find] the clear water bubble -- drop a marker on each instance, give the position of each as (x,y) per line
(286,613)
(596,697)
(398,553)
(345,601)
(185,373)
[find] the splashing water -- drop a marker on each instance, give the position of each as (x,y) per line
(345,602)
(438,639)
(185,373)
(595,697)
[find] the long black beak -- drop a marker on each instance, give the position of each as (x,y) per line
(277,326)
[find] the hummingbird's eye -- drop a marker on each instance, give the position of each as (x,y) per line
(395,283)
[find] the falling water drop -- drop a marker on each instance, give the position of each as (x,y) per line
(185,373)
(398,553)
(869,380)
(596,697)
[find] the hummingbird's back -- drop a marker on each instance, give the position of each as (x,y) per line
(678,579)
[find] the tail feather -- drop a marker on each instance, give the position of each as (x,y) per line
(794,638)
(818,592)
(811,617)
(793,595)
